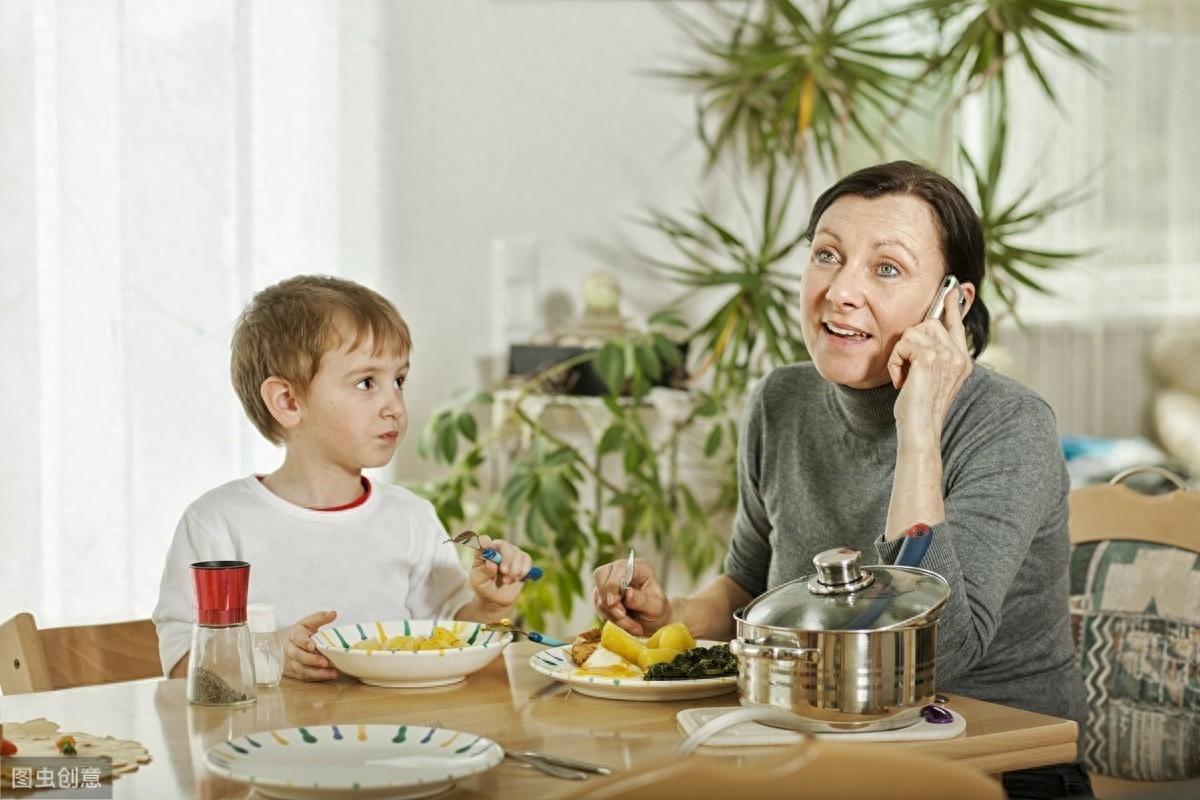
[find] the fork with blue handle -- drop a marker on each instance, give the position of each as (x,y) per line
(506,625)
(471,539)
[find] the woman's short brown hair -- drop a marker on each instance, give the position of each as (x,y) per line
(288,328)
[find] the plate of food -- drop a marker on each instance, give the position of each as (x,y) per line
(362,761)
(610,663)
(411,653)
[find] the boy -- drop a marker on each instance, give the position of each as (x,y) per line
(319,364)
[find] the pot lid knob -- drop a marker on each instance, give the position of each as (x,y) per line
(839,571)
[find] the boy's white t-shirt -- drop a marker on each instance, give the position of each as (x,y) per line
(385,559)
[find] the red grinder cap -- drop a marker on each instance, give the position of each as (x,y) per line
(220,589)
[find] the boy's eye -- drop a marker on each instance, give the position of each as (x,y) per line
(365,383)
(399,381)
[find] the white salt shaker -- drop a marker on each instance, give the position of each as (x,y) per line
(268,650)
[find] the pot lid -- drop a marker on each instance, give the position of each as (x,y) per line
(844,596)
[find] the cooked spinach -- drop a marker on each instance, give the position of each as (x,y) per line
(694,664)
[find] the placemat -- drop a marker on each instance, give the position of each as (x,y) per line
(37,738)
(745,734)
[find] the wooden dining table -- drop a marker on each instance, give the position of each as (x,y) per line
(507,701)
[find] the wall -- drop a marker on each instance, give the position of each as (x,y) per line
(531,122)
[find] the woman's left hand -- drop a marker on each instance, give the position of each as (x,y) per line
(929,365)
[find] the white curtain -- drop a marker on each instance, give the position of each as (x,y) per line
(1127,133)
(162,162)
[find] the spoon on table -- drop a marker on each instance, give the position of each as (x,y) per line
(558,761)
(559,767)
(548,767)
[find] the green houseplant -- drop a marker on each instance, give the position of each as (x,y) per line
(784,90)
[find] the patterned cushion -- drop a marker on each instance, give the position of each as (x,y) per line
(1135,611)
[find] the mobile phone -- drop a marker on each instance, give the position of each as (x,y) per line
(949,284)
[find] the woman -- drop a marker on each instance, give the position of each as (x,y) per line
(891,425)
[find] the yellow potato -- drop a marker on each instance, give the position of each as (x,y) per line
(657,655)
(621,642)
(676,637)
(439,639)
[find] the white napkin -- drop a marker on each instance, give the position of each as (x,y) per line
(745,734)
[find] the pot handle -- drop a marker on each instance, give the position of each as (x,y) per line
(740,647)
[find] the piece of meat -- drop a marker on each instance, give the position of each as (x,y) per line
(584,645)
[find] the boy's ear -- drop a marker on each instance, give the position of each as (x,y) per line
(281,401)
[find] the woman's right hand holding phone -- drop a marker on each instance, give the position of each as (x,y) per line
(929,365)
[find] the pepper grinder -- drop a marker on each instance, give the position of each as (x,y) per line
(221,662)
(268,650)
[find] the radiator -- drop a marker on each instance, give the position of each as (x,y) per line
(1094,373)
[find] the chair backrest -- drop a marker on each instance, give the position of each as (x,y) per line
(819,768)
(22,664)
(80,655)
(1135,607)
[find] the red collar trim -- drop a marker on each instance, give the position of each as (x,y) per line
(355,503)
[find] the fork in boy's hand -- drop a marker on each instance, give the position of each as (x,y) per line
(471,539)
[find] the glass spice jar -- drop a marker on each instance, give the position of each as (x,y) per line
(221,661)
(268,650)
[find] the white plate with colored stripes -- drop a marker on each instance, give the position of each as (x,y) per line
(319,762)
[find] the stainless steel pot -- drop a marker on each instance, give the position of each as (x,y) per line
(847,649)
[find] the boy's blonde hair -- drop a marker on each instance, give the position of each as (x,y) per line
(287,329)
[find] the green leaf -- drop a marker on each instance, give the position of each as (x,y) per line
(713,442)
(611,440)
(668,318)
(447,444)
(640,386)
(467,426)
(707,405)
(610,366)
(667,350)
(634,454)
(648,361)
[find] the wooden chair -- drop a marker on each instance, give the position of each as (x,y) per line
(22,663)
(1135,607)
(37,660)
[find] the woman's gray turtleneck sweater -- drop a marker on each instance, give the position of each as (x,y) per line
(815,465)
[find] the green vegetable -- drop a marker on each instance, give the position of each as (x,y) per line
(695,664)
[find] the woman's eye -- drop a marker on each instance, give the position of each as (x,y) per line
(887,270)
(824,256)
